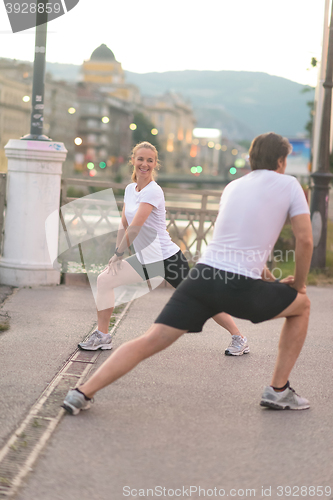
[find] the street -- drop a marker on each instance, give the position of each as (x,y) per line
(187,418)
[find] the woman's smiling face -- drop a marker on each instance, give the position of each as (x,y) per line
(144,163)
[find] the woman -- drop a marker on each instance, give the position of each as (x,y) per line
(143,224)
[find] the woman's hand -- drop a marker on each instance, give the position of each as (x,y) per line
(114,265)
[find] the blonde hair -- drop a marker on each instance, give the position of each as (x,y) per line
(145,145)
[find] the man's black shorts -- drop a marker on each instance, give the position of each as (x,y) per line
(208,291)
(174,269)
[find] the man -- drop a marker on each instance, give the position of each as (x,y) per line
(231,276)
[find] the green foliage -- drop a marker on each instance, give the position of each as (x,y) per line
(73,192)
(286,240)
(143,130)
(95,189)
(316,276)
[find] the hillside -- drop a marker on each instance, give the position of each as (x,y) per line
(241,103)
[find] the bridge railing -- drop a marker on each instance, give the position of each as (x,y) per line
(190,214)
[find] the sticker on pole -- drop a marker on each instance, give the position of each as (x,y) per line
(22,14)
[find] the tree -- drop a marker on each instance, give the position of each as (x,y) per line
(143,130)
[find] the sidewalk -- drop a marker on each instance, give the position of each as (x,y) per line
(189,416)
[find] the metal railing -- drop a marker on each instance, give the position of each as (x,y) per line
(190,214)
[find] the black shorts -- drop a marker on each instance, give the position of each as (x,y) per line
(174,269)
(208,291)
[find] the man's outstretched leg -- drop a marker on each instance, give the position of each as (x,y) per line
(125,358)
(279,395)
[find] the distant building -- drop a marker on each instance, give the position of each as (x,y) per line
(174,120)
(104,71)
(103,128)
(216,155)
(205,150)
(61,117)
(15,111)
(60,122)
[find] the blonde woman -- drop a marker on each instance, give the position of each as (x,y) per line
(143,224)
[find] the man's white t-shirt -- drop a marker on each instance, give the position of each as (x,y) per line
(153,242)
(253,210)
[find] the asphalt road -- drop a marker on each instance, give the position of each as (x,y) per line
(185,419)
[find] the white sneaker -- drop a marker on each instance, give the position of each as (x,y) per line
(75,402)
(97,340)
(237,346)
(285,400)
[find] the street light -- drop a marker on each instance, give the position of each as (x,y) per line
(322,176)
(37,112)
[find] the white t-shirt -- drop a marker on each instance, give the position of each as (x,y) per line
(153,242)
(253,210)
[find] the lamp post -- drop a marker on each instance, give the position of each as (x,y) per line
(33,195)
(322,176)
(37,112)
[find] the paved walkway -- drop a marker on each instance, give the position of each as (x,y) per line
(188,417)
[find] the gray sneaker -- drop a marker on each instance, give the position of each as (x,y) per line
(237,346)
(96,341)
(285,400)
(75,401)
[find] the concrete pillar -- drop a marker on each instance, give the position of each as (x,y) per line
(33,193)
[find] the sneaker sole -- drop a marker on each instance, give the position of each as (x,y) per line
(70,409)
(228,353)
(275,406)
(104,347)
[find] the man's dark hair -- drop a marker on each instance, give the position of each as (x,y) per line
(266,149)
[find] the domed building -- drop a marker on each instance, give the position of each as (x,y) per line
(104,71)
(102,53)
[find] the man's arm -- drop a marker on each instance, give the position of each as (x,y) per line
(301,226)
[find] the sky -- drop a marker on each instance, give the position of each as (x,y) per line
(278,37)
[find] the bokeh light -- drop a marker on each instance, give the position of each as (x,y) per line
(196,170)
(240,163)
(133,126)
(90,165)
(25,98)
(78,141)
(105,119)
(233,170)
(154,131)
(71,111)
